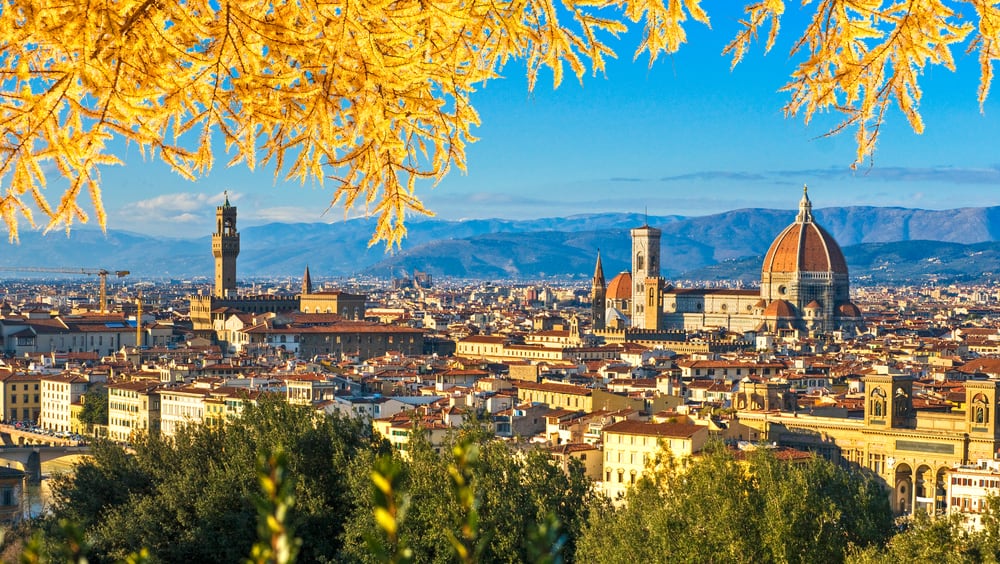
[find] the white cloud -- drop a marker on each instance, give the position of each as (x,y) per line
(181,202)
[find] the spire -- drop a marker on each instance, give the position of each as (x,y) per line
(307,285)
(599,271)
(805,207)
(226,194)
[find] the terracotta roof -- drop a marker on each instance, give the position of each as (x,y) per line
(805,247)
(779,308)
(847,309)
(620,287)
(674,430)
(555,388)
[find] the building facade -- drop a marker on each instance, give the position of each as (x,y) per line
(133,407)
(59,393)
(911,451)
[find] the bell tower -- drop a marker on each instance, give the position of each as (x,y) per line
(645,265)
(225,249)
(889,399)
(598,306)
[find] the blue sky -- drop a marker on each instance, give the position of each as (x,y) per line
(687,136)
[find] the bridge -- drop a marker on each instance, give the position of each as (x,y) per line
(12,436)
(39,460)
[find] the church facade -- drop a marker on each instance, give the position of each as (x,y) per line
(804,288)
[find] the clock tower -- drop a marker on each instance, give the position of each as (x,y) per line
(225,249)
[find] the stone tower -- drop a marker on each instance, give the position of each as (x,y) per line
(645,264)
(225,249)
(307,285)
(889,399)
(597,295)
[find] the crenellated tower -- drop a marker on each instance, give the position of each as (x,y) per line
(225,249)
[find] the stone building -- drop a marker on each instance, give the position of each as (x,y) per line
(208,311)
(911,451)
(804,288)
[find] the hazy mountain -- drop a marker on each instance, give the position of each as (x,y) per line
(703,247)
(898,262)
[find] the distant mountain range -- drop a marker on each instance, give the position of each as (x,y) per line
(881,244)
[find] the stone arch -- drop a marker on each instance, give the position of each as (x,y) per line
(902,486)
(924,486)
(941,490)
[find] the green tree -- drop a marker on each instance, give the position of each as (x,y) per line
(755,510)
(524,504)
(192,498)
(95,407)
(925,539)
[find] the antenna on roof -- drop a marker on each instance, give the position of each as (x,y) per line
(645,213)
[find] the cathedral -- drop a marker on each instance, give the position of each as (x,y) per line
(804,288)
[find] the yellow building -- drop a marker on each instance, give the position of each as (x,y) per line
(346,305)
(133,407)
(398,430)
(58,394)
(911,451)
(631,446)
(20,396)
(579,398)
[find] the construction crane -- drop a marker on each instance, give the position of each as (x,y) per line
(103,273)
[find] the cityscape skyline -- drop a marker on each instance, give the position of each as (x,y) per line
(686,136)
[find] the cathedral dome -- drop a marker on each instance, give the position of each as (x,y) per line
(620,287)
(804,246)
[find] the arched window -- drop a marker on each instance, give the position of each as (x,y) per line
(901,403)
(980,409)
(640,263)
(877,403)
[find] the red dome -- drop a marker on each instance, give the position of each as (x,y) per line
(804,246)
(620,287)
(847,309)
(779,308)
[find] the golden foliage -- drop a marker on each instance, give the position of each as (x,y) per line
(375,95)
(861,55)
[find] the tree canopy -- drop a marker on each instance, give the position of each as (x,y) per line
(95,407)
(191,498)
(760,509)
(373,96)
